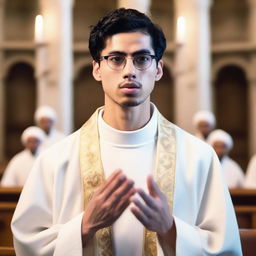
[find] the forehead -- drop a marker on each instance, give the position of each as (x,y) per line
(128,43)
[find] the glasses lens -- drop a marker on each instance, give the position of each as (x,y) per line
(142,61)
(116,61)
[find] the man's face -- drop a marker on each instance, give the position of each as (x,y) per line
(128,86)
(221,148)
(45,123)
(32,144)
(204,127)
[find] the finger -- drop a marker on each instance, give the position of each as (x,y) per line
(110,179)
(111,187)
(140,216)
(149,200)
(153,187)
(143,208)
(126,201)
(119,193)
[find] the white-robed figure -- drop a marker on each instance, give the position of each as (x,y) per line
(204,122)
(18,168)
(250,176)
(45,118)
(222,142)
(128,182)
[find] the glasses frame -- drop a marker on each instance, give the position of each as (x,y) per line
(125,61)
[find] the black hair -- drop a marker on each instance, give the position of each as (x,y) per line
(125,20)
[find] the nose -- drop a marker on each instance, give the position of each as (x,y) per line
(129,70)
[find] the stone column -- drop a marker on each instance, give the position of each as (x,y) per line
(252,77)
(55,78)
(2,99)
(252,111)
(141,5)
(252,21)
(2,109)
(192,62)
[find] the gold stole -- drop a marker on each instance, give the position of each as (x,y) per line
(93,177)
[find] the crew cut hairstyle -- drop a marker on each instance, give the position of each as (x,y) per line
(121,21)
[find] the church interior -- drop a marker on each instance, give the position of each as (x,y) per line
(209,64)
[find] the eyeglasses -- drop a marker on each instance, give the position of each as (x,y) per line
(118,62)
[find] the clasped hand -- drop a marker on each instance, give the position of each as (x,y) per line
(109,202)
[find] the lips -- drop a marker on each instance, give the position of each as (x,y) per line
(130,88)
(130,85)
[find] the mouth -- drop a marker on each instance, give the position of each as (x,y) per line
(130,86)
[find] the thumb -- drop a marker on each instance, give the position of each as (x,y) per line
(152,187)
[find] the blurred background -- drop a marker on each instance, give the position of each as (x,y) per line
(210,64)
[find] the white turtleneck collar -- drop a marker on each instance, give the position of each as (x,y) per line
(134,138)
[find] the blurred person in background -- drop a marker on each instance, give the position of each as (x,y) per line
(45,118)
(18,169)
(222,143)
(250,176)
(204,122)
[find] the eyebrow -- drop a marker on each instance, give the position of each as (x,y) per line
(142,51)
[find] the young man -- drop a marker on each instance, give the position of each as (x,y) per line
(128,182)
(16,172)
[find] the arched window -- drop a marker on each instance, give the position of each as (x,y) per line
(231,108)
(20,102)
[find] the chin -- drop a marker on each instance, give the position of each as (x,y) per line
(131,103)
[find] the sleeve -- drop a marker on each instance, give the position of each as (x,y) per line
(45,224)
(211,227)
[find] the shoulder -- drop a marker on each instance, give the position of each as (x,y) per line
(21,155)
(63,147)
(190,148)
(190,141)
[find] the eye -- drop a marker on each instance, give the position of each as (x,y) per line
(116,59)
(142,59)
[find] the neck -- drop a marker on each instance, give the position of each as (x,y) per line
(127,118)
(33,151)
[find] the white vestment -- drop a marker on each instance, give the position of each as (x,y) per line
(233,173)
(47,220)
(250,176)
(51,138)
(17,170)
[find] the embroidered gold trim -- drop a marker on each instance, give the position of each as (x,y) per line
(93,176)
(164,173)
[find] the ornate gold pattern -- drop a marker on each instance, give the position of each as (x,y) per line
(93,176)
(164,173)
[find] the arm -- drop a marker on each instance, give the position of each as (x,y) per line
(49,218)
(155,215)
(208,228)
(205,218)
(40,224)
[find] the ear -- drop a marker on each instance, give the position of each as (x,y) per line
(96,70)
(159,72)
